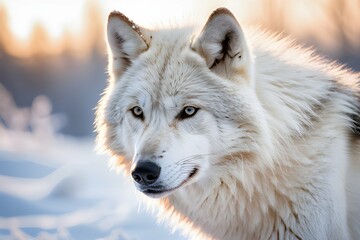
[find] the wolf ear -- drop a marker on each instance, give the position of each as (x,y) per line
(125,42)
(223,46)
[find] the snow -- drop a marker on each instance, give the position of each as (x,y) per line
(55,187)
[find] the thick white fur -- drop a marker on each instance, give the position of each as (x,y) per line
(273,140)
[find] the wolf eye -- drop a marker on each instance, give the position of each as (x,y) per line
(187,112)
(137,112)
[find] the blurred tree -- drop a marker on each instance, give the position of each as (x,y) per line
(274,14)
(344,15)
(67,43)
(39,43)
(93,34)
(5,36)
(337,12)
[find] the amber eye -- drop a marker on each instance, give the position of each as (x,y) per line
(137,112)
(187,112)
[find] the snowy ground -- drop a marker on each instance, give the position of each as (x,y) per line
(56,187)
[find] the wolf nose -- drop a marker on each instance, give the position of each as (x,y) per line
(146,172)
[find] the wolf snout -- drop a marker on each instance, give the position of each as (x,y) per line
(146,172)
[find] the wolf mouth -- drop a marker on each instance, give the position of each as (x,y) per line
(158,191)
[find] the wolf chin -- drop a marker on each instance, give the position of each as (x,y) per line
(237,134)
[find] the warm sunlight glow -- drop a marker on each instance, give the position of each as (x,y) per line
(167,12)
(58,16)
(44,27)
(54,15)
(38,27)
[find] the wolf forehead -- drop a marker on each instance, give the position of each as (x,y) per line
(170,68)
(168,65)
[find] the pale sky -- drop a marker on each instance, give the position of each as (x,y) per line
(58,15)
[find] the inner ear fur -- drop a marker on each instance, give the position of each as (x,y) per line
(223,46)
(126,41)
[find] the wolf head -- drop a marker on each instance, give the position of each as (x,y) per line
(180,107)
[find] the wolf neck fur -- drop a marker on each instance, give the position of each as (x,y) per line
(263,203)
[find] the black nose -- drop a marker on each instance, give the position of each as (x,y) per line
(146,172)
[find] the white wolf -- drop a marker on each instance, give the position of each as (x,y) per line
(240,135)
